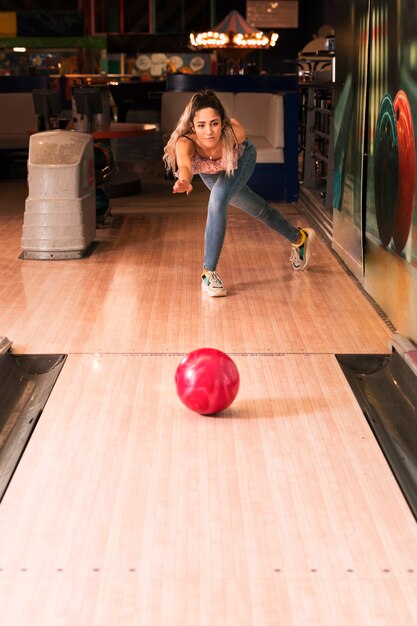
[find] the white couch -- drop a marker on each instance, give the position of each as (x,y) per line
(261,114)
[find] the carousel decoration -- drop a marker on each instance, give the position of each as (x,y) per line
(234,39)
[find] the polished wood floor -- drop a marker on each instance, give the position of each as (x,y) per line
(128,509)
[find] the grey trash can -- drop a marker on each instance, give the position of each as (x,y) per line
(60,210)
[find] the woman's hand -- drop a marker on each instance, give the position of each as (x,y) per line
(182,186)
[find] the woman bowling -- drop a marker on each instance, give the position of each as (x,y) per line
(206,142)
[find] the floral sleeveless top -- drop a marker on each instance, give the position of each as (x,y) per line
(204,165)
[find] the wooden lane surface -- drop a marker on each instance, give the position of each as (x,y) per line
(140,289)
(129,509)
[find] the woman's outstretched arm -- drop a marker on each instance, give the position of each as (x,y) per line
(183,153)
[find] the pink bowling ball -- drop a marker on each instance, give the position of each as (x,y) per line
(207,381)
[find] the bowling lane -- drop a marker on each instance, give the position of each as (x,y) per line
(129,509)
(140,289)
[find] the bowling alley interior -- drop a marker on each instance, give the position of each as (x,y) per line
(194,443)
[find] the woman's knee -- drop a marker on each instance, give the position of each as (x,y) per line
(219,199)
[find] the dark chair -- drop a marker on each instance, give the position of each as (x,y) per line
(47,103)
(88,102)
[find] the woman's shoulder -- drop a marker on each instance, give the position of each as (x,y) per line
(186,142)
(238,130)
(186,139)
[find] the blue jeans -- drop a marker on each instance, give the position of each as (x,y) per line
(226,190)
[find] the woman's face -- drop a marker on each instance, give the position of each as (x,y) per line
(207,125)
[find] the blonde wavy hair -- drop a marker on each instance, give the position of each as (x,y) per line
(206,99)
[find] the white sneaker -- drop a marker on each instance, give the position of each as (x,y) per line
(301,254)
(212,284)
